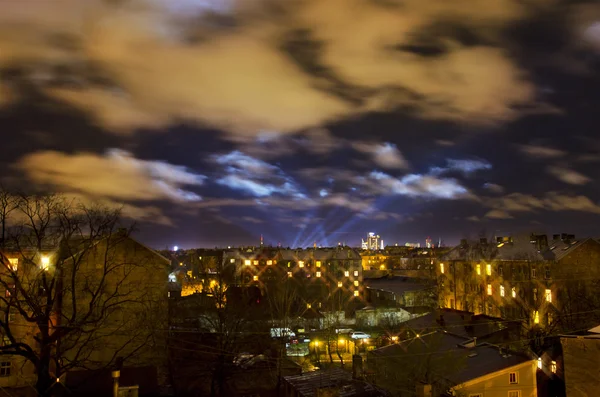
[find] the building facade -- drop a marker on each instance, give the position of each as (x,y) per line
(321,278)
(548,285)
(111,293)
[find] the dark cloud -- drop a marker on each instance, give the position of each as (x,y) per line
(308,121)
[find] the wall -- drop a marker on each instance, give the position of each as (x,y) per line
(372,318)
(499,385)
(581,361)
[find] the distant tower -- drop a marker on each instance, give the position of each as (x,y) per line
(428,242)
(315,244)
(372,243)
(262,242)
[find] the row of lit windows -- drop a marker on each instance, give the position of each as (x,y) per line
(547,292)
(270,262)
(290,274)
(14,263)
(488,270)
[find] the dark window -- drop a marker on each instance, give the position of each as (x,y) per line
(547,275)
(500,271)
(5,368)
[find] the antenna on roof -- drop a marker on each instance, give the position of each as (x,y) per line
(261,240)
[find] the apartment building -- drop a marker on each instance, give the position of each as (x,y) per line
(544,283)
(110,293)
(320,277)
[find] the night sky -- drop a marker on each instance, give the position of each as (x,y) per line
(215,121)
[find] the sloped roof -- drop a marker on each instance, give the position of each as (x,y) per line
(457,322)
(520,248)
(308,384)
(486,359)
(560,248)
(475,361)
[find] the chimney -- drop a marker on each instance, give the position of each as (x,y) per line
(474,341)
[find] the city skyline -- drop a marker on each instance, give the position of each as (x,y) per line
(216,122)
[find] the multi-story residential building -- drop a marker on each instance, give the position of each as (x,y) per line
(321,277)
(548,285)
(441,363)
(108,292)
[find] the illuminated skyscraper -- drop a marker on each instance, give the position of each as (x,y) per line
(373,242)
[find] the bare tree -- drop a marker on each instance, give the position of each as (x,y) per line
(203,358)
(8,203)
(283,300)
(72,279)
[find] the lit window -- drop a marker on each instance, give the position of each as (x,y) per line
(5,368)
(355,293)
(308,305)
(356,273)
(232,260)
(247,262)
(301,263)
(45,262)
(318,274)
(318,264)
(14,263)
(502,290)
(269,263)
(548,296)
(255,263)
(539,363)
(356,283)
(488,269)
(339,284)
(347,273)
(514,292)
(255,278)
(513,378)
(536,317)
(514,393)
(442,268)
(489,289)
(289,274)
(479,269)
(553,367)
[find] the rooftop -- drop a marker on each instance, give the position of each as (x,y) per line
(520,247)
(308,384)
(472,362)
(457,322)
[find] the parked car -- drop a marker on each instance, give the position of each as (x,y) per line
(359,335)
